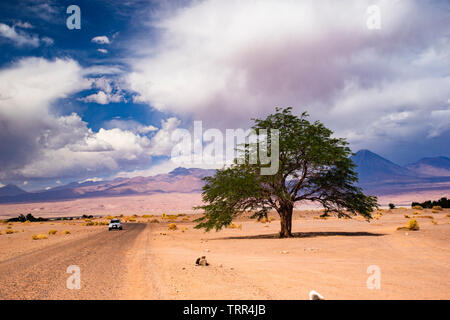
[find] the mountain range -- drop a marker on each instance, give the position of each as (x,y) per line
(377,176)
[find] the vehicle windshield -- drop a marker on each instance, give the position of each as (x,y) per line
(115,221)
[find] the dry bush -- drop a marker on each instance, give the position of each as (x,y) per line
(88,223)
(109,217)
(154,221)
(66,232)
(417,212)
(406,216)
(147,216)
(438,208)
(53,231)
(101,223)
(172,217)
(181,214)
(172,226)
(263,220)
(433,222)
(184,229)
(28,221)
(39,236)
(377,216)
(447,215)
(186,219)
(434,211)
(10,231)
(426,217)
(412,225)
(417,207)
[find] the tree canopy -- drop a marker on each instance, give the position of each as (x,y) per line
(312,166)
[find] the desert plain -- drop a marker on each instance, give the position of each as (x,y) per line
(148,260)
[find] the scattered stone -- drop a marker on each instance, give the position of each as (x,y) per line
(201,261)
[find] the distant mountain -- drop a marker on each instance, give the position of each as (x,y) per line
(178,180)
(11,190)
(372,167)
(435,167)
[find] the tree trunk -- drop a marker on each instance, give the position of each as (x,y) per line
(285,213)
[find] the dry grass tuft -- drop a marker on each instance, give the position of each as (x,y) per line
(53,231)
(172,226)
(406,216)
(154,221)
(147,216)
(412,225)
(438,208)
(426,217)
(66,232)
(417,212)
(10,231)
(39,236)
(417,207)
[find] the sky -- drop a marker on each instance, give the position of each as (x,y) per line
(103,101)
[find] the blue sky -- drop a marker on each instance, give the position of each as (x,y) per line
(103,101)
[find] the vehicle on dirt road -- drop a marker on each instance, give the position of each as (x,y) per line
(115,224)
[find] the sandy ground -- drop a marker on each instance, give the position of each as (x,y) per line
(129,205)
(170,203)
(148,261)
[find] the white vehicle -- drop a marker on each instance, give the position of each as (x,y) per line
(115,224)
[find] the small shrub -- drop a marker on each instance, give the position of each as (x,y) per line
(438,208)
(89,223)
(417,207)
(10,231)
(147,216)
(434,211)
(263,220)
(391,206)
(377,216)
(412,225)
(154,221)
(131,219)
(66,232)
(426,217)
(53,231)
(185,219)
(406,216)
(39,236)
(172,226)
(232,226)
(28,221)
(184,229)
(416,212)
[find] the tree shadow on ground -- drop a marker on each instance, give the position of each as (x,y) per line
(307,235)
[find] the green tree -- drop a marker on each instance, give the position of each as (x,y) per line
(313,166)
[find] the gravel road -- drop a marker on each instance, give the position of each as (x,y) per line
(101,258)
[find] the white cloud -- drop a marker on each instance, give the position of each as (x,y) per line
(102,50)
(101,40)
(22,38)
(38,144)
(224,62)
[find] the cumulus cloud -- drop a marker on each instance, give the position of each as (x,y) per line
(101,40)
(226,61)
(109,92)
(38,144)
(22,38)
(102,50)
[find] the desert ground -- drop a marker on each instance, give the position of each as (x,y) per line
(146,260)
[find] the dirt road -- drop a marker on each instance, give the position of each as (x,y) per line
(42,273)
